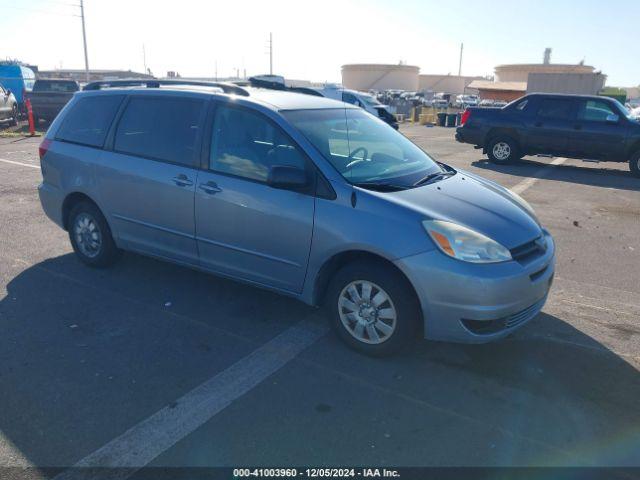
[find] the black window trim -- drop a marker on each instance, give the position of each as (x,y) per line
(110,126)
(194,164)
(310,166)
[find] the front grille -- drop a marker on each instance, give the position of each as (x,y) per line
(529,251)
(486,327)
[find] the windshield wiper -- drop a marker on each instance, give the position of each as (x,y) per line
(381,187)
(432,176)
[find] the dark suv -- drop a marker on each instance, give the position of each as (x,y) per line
(575,126)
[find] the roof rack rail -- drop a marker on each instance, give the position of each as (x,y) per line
(153,83)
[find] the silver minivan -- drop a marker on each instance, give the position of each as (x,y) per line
(299,194)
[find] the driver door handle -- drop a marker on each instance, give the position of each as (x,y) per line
(210,187)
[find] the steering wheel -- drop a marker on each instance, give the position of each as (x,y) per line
(365,154)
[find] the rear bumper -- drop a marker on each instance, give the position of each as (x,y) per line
(51,199)
(474,303)
(465,134)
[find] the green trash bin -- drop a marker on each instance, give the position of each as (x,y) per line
(442,119)
(451,119)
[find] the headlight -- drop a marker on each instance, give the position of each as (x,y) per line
(465,244)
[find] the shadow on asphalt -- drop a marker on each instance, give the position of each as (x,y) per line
(596,177)
(87,353)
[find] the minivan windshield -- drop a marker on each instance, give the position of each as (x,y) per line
(363,149)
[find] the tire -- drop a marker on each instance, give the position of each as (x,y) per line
(503,150)
(14,116)
(634,164)
(91,237)
(359,323)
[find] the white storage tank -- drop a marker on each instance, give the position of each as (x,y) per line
(375,76)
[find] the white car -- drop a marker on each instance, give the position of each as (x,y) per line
(363,100)
(463,101)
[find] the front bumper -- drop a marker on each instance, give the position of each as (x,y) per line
(477,303)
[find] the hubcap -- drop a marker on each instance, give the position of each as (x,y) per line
(87,234)
(501,150)
(367,312)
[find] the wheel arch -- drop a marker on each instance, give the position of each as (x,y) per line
(70,201)
(332,265)
(501,131)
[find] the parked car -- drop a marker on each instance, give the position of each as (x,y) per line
(439,103)
(362,100)
(302,195)
(49,96)
(487,102)
(464,101)
(575,126)
(17,78)
(8,106)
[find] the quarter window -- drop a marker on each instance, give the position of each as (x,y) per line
(246,144)
(595,111)
(555,109)
(89,119)
(161,128)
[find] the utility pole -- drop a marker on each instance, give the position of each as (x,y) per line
(270,53)
(460,64)
(84,41)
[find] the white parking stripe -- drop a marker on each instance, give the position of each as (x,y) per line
(19,163)
(529,182)
(139,445)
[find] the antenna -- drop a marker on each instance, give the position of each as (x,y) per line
(144,58)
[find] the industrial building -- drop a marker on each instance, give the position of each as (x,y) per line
(94,75)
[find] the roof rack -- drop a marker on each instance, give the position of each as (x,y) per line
(275,85)
(153,83)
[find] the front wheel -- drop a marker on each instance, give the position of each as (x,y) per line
(14,116)
(502,150)
(90,236)
(372,308)
(634,164)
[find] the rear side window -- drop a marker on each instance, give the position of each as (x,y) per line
(555,109)
(89,119)
(160,128)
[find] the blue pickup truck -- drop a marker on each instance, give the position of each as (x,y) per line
(573,126)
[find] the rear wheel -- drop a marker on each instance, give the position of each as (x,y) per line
(372,308)
(503,150)
(90,236)
(634,164)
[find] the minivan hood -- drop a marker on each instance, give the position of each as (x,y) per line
(476,203)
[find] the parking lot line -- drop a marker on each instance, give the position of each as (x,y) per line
(139,445)
(19,163)
(529,182)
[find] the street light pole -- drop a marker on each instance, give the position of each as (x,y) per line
(84,41)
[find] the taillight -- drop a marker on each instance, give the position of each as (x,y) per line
(465,117)
(44,146)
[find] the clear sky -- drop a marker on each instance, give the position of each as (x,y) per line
(313,39)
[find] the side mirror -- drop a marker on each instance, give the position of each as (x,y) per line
(613,118)
(8,92)
(287,178)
